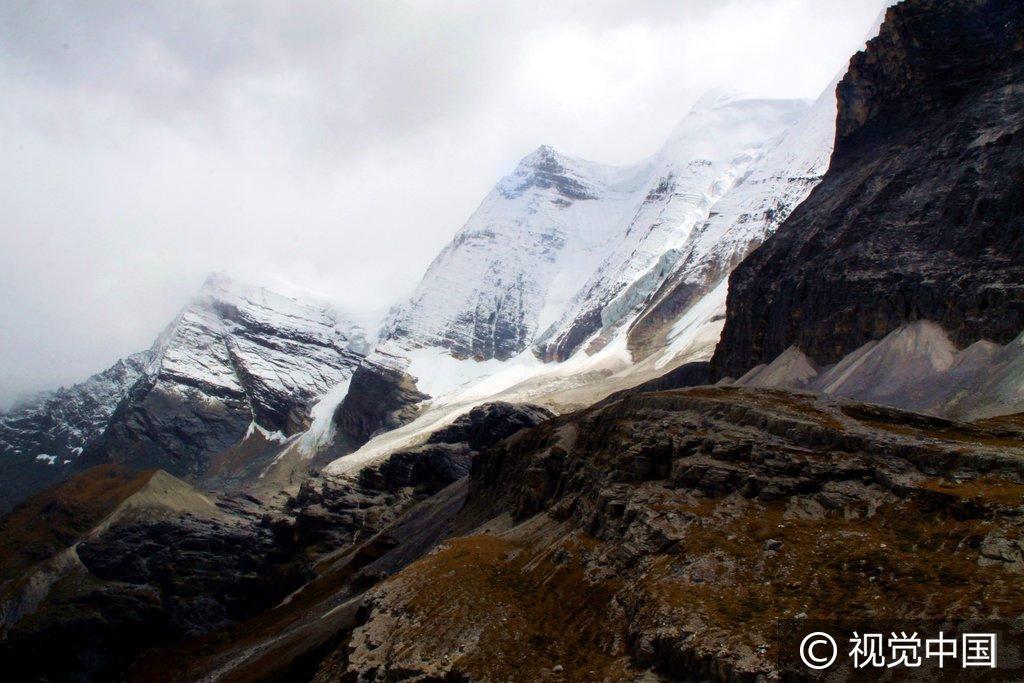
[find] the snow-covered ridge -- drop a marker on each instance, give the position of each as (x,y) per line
(707,155)
(61,424)
(274,355)
(560,237)
(238,339)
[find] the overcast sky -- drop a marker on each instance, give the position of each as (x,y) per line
(336,145)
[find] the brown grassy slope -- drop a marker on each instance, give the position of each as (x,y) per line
(58,517)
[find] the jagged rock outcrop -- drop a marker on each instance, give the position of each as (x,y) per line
(667,534)
(921,214)
(380,397)
(487,424)
(355,507)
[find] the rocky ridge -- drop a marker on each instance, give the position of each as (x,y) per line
(238,360)
(920,214)
(663,536)
(115,562)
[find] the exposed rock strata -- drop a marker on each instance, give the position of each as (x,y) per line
(665,535)
(921,214)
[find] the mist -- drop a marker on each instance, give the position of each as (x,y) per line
(336,146)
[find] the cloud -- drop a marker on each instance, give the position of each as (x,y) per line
(337,145)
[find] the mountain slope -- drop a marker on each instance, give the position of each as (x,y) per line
(238,360)
(915,367)
(710,151)
(747,215)
(557,222)
(40,440)
(541,228)
(664,537)
(562,245)
(921,214)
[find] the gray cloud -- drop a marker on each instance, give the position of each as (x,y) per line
(335,145)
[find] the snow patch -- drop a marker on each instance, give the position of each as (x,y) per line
(694,336)
(274,437)
(321,430)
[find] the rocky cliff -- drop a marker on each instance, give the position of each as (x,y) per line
(921,214)
(114,562)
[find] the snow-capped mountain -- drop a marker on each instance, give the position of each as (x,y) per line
(563,248)
(538,233)
(59,425)
(710,151)
(751,211)
(278,352)
(238,360)
(563,251)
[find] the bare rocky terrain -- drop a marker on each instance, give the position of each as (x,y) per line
(664,536)
(261,497)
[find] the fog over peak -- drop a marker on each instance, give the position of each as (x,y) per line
(333,145)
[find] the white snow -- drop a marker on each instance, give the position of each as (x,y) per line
(48,459)
(321,430)
(705,158)
(274,437)
(695,335)
(539,256)
(438,373)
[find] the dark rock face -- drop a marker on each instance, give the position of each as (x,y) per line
(146,585)
(208,573)
(173,429)
(670,531)
(341,509)
(686,375)
(921,214)
(695,438)
(379,398)
(449,451)
(583,326)
(486,425)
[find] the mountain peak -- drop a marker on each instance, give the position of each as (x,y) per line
(546,168)
(544,158)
